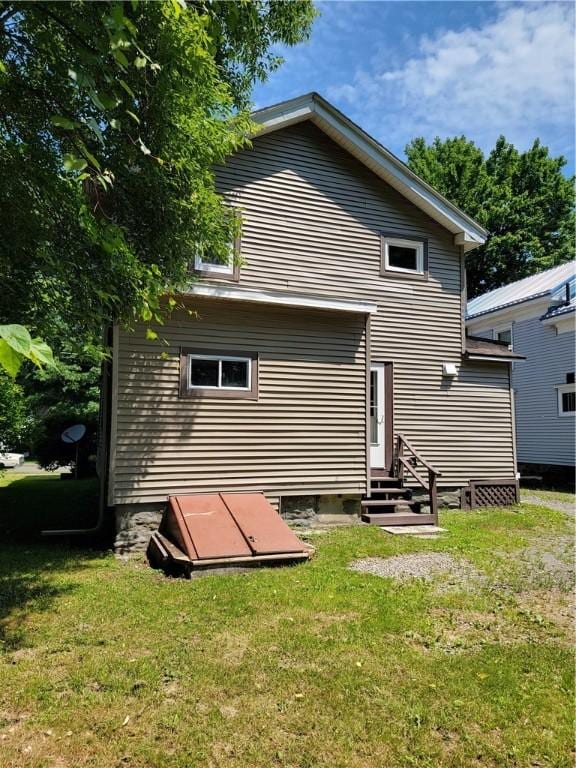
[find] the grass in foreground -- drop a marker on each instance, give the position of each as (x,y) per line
(554,495)
(108,663)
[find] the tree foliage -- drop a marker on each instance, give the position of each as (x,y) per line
(13,413)
(521,198)
(112,115)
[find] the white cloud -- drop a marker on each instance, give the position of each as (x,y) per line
(513,75)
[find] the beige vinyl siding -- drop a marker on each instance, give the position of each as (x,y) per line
(304,434)
(312,222)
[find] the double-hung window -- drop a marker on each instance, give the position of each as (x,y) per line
(218,374)
(404,257)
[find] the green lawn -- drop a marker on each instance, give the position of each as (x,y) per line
(107,663)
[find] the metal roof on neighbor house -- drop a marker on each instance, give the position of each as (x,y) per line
(549,282)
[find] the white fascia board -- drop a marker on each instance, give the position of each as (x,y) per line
(282,299)
(466,231)
(523,310)
(487,359)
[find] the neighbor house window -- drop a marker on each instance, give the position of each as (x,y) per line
(504,335)
(218,374)
(567,396)
(209,266)
(404,256)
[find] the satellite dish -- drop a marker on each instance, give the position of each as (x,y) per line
(73,434)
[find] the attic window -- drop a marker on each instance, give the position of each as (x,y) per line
(208,266)
(404,257)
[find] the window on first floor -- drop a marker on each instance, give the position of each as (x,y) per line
(403,256)
(218,374)
(567,396)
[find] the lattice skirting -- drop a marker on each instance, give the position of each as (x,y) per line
(491,493)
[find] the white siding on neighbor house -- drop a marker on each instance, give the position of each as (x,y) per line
(543,436)
(306,433)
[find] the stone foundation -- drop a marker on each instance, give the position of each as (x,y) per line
(313,510)
(448,498)
(135,523)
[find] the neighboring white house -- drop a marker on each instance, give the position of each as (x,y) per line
(536,317)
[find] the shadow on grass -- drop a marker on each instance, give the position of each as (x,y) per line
(33,569)
(32,577)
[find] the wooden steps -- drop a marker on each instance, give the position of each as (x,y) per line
(398,518)
(390,503)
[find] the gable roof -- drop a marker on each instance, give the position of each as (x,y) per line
(551,282)
(372,154)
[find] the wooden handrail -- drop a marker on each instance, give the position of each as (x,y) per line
(415,453)
(402,463)
(412,471)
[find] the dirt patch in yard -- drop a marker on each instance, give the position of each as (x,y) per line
(427,566)
(569,507)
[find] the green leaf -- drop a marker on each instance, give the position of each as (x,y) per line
(133,116)
(10,360)
(72,163)
(143,148)
(92,123)
(120,58)
(140,62)
(17,337)
(115,123)
(41,354)
(151,335)
(126,87)
(62,122)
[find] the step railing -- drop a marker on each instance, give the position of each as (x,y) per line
(408,459)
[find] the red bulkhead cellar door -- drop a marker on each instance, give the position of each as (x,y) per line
(263,528)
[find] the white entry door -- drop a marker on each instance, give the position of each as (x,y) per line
(377,426)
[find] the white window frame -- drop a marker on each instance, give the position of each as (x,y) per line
(562,389)
(417,245)
(207,266)
(220,359)
(504,327)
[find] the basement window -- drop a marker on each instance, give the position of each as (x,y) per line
(404,257)
(221,374)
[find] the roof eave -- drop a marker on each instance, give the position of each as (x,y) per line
(467,233)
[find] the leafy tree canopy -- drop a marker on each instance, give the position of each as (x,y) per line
(112,115)
(521,198)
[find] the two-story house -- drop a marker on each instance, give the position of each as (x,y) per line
(341,328)
(536,317)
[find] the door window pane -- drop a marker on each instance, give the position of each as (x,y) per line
(374,407)
(203,373)
(235,374)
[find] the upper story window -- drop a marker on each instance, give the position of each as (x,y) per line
(504,335)
(567,396)
(218,374)
(404,257)
(209,266)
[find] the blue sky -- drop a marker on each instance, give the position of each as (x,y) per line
(405,69)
